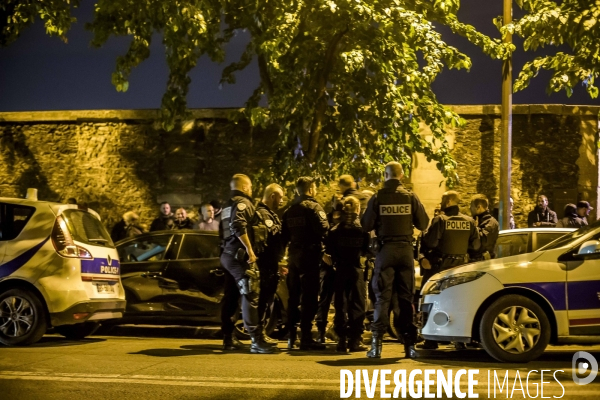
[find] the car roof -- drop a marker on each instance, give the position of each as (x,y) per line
(544,230)
(169,232)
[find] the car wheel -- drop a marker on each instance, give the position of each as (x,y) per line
(22,318)
(77,331)
(514,329)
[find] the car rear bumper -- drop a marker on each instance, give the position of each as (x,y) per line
(89,311)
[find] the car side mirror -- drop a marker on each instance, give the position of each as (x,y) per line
(589,249)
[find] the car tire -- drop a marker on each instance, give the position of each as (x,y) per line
(514,329)
(77,331)
(30,318)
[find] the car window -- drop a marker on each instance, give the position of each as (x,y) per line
(85,227)
(16,217)
(152,248)
(200,246)
(510,245)
(543,239)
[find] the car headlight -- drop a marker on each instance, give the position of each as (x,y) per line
(458,279)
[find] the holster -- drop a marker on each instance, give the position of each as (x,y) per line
(253,275)
(369,267)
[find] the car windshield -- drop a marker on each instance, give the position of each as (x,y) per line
(564,241)
(86,228)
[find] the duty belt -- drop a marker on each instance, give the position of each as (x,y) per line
(397,239)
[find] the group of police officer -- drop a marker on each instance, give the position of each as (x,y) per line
(323,262)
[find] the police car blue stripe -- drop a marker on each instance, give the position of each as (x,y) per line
(584,295)
(17,262)
(99,266)
(554,292)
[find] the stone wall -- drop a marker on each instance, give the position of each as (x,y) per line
(116,161)
(121,160)
(554,153)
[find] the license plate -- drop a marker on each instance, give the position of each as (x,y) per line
(104,288)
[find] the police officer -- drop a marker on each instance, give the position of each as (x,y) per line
(305,227)
(487,226)
(393,212)
(446,242)
(347,187)
(239,261)
(345,244)
(269,249)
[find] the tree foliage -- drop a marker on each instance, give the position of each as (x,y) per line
(347,83)
(572,23)
(16,15)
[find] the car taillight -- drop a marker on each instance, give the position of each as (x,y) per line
(63,242)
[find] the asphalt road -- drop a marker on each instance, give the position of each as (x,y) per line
(189,364)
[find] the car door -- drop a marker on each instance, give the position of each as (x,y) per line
(199,275)
(583,295)
(511,244)
(143,262)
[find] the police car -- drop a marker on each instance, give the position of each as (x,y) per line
(58,268)
(516,306)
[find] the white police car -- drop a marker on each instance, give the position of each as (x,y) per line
(516,306)
(58,268)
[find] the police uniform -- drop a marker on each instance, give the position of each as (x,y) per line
(237,218)
(327,273)
(345,244)
(305,227)
(392,212)
(269,250)
(447,241)
(488,229)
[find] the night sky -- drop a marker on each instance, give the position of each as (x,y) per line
(38,72)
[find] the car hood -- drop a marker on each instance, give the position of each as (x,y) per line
(495,267)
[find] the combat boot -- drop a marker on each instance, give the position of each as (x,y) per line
(355,345)
(231,343)
(341,345)
(376,346)
(265,338)
(260,346)
(308,343)
(410,351)
(292,339)
(321,336)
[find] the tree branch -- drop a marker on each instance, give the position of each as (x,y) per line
(321,103)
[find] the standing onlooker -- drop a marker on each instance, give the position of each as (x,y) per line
(217,210)
(181,219)
(208,222)
(542,215)
(571,218)
(126,227)
(165,220)
(305,227)
(487,226)
(393,212)
(583,210)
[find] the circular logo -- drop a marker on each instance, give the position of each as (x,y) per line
(269,223)
(241,206)
(322,214)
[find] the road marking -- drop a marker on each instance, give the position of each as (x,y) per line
(231,382)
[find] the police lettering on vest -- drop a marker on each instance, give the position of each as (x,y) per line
(395,209)
(454,225)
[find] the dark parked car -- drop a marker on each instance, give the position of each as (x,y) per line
(175,277)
